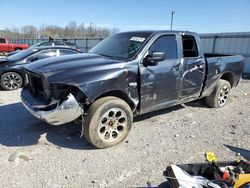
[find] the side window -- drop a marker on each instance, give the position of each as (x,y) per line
(45,54)
(189,46)
(2,40)
(166,44)
(42,55)
(67,52)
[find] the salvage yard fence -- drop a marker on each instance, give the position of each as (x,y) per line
(84,44)
(223,43)
(228,43)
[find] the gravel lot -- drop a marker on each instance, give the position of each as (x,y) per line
(35,154)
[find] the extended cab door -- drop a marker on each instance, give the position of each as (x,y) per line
(192,74)
(159,73)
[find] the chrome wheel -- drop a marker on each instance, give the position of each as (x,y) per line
(11,81)
(112,125)
(223,96)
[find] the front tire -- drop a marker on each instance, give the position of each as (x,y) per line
(220,95)
(108,122)
(11,81)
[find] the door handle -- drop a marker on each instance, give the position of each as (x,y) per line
(196,66)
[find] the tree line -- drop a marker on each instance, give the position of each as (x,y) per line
(71,30)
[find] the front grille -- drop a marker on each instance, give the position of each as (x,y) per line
(36,84)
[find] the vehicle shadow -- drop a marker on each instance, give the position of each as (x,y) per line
(243,152)
(157,113)
(197,103)
(200,103)
(19,128)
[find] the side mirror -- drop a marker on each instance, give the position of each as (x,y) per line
(152,60)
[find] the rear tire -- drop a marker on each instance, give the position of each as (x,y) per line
(11,81)
(220,95)
(108,122)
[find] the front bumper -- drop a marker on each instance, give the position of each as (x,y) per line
(66,112)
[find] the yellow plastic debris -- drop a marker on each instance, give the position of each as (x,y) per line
(242,179)
(210,157)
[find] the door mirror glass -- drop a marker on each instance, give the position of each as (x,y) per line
(157,56)
(152,60)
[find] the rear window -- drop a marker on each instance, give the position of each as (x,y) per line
(2,40)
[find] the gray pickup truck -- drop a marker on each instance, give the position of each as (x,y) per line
(125,75)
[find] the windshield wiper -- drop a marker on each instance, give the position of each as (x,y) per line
(110,56)
(105,55)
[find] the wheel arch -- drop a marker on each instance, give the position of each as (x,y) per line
(121,95)
(228,76)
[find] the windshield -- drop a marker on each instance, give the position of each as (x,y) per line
(21,55)
(121,45)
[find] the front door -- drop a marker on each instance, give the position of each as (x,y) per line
(159,82)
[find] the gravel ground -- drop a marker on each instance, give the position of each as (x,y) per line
(35,154)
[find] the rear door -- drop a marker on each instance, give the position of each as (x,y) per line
(159,83)
(192,74)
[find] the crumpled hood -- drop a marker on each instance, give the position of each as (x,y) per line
(70,67)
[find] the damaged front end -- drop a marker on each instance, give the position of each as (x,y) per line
(63,108)
(55,113)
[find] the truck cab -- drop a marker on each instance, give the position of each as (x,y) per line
(179,72)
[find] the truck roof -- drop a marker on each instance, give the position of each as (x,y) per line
(153,32)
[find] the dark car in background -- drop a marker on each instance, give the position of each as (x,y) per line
(51,42)
(12,67)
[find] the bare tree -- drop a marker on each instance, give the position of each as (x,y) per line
(29,31)
(71,30)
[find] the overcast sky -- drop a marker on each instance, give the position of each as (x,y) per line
(194,15)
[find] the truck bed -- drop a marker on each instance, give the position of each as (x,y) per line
(208,55)
(218,65)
